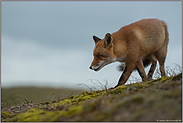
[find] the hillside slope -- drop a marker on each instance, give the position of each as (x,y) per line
(155,100)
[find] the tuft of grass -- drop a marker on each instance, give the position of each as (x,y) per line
(169,71)
(96,84)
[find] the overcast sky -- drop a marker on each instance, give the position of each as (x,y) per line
(50,43)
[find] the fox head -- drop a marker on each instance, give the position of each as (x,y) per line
(103,52)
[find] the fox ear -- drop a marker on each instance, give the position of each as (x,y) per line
(108,41)
(96,39)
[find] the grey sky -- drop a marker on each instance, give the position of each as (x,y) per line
(50,43)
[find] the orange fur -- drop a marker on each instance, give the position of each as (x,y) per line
(146,39)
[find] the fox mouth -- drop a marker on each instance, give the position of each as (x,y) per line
(97,69)
(100,66)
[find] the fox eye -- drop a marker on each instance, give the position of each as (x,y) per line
(99,56)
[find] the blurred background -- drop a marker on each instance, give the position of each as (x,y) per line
(49,44)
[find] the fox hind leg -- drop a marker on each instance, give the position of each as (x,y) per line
(153,60)
(161,56)
(141,71)
(162,52)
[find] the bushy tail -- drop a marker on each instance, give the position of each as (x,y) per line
(146,63)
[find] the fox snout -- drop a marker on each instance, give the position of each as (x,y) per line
(97,67)
(91,68)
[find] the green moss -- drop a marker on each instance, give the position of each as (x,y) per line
(30,115)
(118,90)
(6,114)
(162,79)
(75,100)
(75,110)
(126,102)
(75,97)
(85,98)
(65,102)
(35,115)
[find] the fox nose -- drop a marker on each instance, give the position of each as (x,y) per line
(90,67)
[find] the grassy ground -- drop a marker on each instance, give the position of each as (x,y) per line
(20,95)
(155,100)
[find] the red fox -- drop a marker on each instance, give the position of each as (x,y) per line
(137,45)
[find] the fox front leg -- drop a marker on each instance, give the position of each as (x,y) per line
(126,74)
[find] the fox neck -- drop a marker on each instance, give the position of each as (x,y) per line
(119,49)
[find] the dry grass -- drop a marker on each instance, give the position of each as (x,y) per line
(25,95)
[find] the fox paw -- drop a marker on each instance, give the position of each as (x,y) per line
(111,88)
